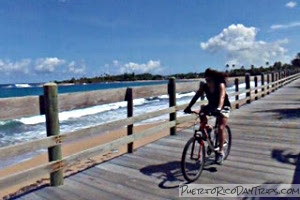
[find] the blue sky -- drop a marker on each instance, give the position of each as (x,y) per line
(59,39)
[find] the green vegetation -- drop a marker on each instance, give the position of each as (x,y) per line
(113,78)
(231,70)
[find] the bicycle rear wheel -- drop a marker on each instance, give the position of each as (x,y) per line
(193,159)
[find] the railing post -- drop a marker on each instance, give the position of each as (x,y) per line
(262,84)
(236,83)
(281,77)
(172,102)
(247,81)
(284,76)
(276,79)
(275,84)
(129,99)
(52,126)
(268,82)
(255,85)
(285,73)
(272,80)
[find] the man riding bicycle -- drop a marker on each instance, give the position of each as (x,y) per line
(218,104)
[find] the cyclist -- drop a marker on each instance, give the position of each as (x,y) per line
(218,104)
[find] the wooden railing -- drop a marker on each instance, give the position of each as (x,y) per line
(51,104)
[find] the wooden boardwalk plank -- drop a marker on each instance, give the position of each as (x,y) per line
(116,189)
(31,196)
(50,193)
(84,191)
(128,181)
(119,189)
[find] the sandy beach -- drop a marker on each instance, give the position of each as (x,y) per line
(74,147)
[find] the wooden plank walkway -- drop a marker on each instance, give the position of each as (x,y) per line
(266,146)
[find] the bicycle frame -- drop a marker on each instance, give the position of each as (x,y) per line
(205,137)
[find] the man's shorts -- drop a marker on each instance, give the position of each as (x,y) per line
(207,110)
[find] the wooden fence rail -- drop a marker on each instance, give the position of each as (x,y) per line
(17,107)
(51,103)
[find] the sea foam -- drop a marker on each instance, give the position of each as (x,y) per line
(22,85)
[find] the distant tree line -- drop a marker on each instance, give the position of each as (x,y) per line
(231,70)
(115,78)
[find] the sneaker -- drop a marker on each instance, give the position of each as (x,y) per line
(219,158)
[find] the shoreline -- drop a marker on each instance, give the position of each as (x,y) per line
(137,81)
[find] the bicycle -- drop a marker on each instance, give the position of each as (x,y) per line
(197,154)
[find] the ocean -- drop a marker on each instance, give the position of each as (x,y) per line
(30,128)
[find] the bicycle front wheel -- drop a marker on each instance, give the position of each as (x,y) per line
(193,159)
(227,142)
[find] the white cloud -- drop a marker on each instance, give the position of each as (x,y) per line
(48,64)
(291,4)
(76,68)
(151,66)
(116,67)
(115,62)
(8,66)
(242,48)
(41,65)
(285,26)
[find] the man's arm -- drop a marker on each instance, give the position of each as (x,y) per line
(198,94)
(222,96)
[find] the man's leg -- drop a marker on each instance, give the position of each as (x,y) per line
(221,133)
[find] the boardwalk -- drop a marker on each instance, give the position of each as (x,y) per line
(266,146)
